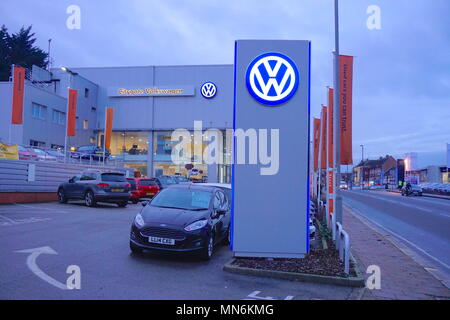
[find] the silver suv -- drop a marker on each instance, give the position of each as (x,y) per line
(96,186)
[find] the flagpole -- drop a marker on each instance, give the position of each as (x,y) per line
(10,121)
(327,184)
(104,137)
(337,117)
(319,166)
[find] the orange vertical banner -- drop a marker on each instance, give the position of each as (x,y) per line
(346,84)
(72,112)
(108,126)
(330,128)
(18,93)
(323,127)
(316,143)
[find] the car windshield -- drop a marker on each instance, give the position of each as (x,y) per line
(167,180)
(113,177)
(182,199)
(147,182)
(181,179)
(88,148)
(227,192)
(39,151)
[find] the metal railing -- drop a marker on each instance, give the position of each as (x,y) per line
(73,157)
(342,242)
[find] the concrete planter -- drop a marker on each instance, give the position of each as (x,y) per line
(357,281)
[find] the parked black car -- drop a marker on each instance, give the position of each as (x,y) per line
(183,218)
(90,152)
(96,186)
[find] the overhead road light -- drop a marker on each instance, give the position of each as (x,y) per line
(65,69)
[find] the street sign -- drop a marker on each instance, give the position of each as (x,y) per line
(271,210)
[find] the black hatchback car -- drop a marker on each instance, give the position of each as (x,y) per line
(90,152)
(183,218)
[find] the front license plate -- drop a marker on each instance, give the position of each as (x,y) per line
(161,240)
(117,190)
(150,193)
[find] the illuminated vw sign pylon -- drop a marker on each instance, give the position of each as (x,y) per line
(272,78)
(208,90)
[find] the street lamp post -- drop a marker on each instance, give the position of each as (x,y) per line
(362,160)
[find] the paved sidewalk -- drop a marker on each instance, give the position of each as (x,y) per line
(401,276)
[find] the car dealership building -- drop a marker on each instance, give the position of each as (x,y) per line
(149,102)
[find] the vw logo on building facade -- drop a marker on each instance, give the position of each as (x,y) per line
(208,90)
(272,78)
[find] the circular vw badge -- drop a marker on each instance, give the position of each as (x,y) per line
(208,90)
(272,78)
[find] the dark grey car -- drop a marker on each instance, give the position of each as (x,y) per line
(96,186)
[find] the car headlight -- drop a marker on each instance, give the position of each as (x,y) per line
(196,225)
(139,221)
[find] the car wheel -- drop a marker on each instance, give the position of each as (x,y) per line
(122,204)
(135,201)
(208,251)
(62,196)
(135,249)
(89,199)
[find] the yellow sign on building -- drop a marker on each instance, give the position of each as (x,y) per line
(9,151)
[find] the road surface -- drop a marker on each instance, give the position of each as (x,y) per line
(96,240)
(419,224)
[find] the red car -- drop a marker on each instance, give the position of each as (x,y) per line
(26,153)
(142,188)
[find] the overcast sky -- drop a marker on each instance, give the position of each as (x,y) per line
(401,94)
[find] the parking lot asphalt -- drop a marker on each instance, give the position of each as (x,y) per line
(97,241)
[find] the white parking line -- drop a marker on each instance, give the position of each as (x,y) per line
(40,207)
(10,222)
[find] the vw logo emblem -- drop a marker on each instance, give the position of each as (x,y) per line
(272,78)
(208,90)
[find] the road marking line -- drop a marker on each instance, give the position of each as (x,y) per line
(254,296)
(38,207)
(10,222)
(7,219)
(32,265)
(399,203)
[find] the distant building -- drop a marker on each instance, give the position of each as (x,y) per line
(434,174)
(375,172)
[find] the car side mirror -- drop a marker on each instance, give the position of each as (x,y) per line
(144,203)
(71,180)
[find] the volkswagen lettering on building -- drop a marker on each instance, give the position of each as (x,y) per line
(208,90)
(272,78)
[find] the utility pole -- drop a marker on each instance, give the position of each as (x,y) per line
(49,60)
(337,118)
(361,168)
